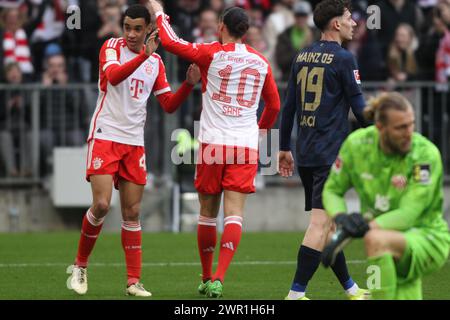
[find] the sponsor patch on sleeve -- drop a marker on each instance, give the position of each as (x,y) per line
(357,77)
(111,55)
(422,173)
(337,166)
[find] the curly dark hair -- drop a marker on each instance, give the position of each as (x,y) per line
(136,11)
(327,10)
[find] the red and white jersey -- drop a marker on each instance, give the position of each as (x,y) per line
(121,111)
(234,76)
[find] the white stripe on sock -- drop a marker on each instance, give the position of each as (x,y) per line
(131,225)
(93,220)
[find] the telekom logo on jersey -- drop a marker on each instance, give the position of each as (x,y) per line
(136,88)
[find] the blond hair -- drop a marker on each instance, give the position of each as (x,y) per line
(395,59)
(378,106)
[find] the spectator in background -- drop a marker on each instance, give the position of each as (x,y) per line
(184,19)
(428,46)
(426,6)
(60,117)
(293,39)
(281,18)
(401,60)
(48,31)
(264,5)
(111,16)
(14,43)
(15,135)
(80,46)
(442,14)
(256,15)
(55,67)
(366,48)
(217,5)
(206,31)
(255,39)
(393,13)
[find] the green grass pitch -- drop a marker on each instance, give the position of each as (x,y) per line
(32,266)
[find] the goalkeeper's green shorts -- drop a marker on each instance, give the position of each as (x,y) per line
(426,251)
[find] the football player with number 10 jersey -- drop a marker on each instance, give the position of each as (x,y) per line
(234,78)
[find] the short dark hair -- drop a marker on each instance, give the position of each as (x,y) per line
(136,11)
(236,20)
(327,10)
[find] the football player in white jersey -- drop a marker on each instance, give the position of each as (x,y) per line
(234,78)
(129,72)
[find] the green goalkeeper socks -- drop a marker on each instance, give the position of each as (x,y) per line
(383,281)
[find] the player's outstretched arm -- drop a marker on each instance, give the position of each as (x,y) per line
(169,101)
(171,42)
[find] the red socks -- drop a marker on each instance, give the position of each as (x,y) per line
(228,245)
(131,243)
(132,246)
(206,240)
(90,230)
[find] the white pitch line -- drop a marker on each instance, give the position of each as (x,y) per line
(157,264)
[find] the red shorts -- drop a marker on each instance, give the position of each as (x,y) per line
(225,168)
(117,159)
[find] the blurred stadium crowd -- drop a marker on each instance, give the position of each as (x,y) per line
(413,44)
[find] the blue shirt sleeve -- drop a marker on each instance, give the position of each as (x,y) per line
(289,109)
(350,76)
(352,87)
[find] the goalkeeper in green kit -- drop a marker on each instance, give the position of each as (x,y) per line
(397,175)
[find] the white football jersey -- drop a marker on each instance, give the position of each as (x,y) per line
(121,111)
(234,76)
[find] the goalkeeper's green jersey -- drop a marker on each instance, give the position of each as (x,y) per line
(399,192)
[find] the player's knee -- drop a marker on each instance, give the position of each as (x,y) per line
(321,224)
(373,241)
(131,213)
(101,207)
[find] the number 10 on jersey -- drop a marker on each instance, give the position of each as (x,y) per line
(222,95)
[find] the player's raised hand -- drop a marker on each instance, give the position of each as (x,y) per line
(193,74)
(152,43)
(154,6)
(285,163)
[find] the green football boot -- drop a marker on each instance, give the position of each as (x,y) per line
(202,288)
(214,289)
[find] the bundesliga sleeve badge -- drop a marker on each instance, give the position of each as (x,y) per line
(111,55)
(422,173)
(357,77)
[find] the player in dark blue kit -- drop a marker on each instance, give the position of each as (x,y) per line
(323,85)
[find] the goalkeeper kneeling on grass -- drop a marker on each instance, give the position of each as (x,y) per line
(397,175)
